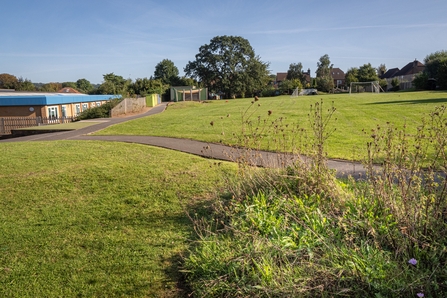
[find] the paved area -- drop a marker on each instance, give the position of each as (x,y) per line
(208,150)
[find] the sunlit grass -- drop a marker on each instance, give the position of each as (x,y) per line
(96,219)
(356,114)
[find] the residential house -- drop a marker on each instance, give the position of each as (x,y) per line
(389,73)
(281,76)
(405,75)
(338,76)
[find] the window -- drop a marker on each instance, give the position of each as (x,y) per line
(84,106)
(64,111)
(53,114)
(77,109)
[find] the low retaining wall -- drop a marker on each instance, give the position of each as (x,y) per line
(128,105)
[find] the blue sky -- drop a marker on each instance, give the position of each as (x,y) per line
(58,41)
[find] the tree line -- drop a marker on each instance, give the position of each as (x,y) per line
(229,67)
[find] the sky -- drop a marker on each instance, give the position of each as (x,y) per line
(63,41)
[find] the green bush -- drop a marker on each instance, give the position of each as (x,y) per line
(102,111)
(396,84)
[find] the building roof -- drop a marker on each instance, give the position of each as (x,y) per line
(45,99)
(389,73)
(337,74)
(281,76)
(411,68)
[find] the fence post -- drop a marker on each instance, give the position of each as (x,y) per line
(2,126)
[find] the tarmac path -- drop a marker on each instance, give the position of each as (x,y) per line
(204,149)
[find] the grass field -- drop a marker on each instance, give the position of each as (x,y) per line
(97,219)
(356,116)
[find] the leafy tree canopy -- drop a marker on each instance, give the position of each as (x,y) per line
(352,75)
(367,73)
(436,67)
(51,87)
(113,84)
(228,64)
(324,79)
(84,86)
(324,66)
(381,69)
(166,71)
(69,84)
(8,81)
(147,86)
(25,85)
(296,72)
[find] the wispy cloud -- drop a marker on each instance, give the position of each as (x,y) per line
(303,30)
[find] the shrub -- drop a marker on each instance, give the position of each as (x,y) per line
(396,84)
(102,111)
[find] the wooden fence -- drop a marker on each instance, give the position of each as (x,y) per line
(10,123)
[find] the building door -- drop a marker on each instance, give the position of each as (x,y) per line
(53,114)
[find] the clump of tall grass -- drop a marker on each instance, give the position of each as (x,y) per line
(300,232)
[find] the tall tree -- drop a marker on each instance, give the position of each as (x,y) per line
(8,81)
(367,73)
(223,66)
(51,87)
(381,70)
(166,71)
(69,84)
(25,85)
(352,75)
(436,68)
(296,72)
(147,86)
(324,78)
(114,84)
(84,86)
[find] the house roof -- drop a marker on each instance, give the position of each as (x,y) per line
(68,90)
(45,99)
(337,74)
(281,76)
(389,73)
(411,68)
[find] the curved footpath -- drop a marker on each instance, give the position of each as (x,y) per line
(204,149)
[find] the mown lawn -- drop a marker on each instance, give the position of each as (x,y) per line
(356,115)
(97,219)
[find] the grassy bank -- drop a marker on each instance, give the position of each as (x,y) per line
(299,232)
(97,219)
(356,116)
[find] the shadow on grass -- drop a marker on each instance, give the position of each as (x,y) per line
(414,101)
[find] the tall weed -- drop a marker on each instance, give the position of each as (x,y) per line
(300,232)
